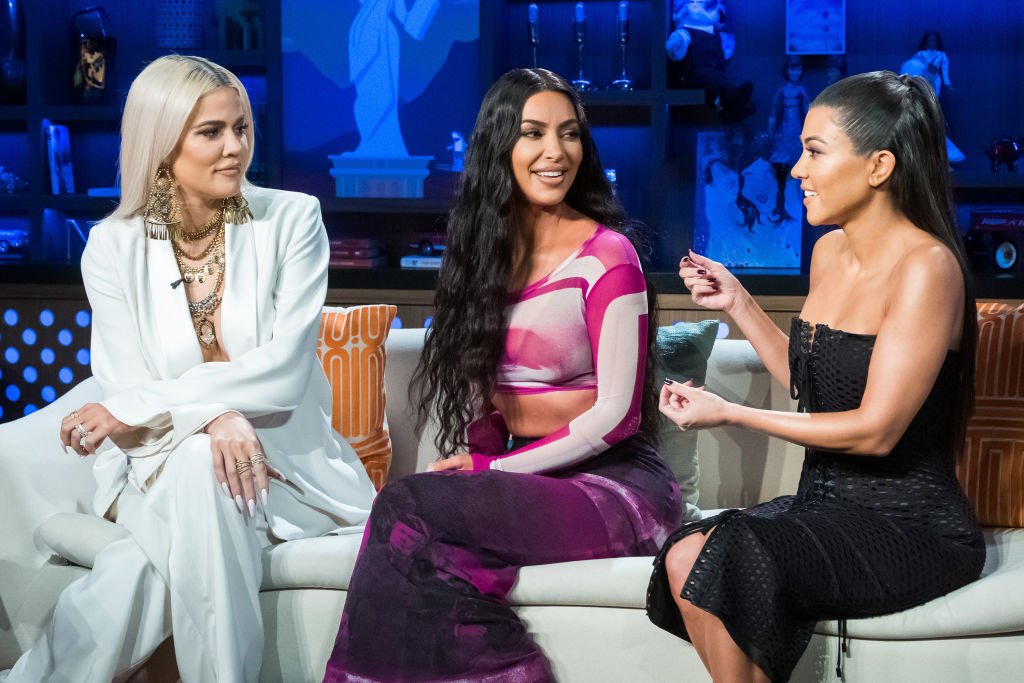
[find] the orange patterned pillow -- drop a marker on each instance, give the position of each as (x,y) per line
(991,467)
(352,352)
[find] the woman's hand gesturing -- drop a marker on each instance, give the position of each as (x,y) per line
(455,462)
(692,407)
(239,462)
(88,427)
(711,284)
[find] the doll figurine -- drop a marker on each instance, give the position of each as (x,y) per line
(786,119)
(698,50)
(931,63)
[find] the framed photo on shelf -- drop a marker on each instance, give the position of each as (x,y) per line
(815,27)
(748,211)
(58,147)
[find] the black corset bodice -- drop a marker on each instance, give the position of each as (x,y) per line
(916,481)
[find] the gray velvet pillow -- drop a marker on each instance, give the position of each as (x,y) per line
(682,353)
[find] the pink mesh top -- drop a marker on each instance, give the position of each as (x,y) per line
(583,326)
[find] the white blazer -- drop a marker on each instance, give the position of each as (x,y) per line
(149,365)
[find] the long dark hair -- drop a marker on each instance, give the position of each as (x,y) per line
(456,374)
(880,110)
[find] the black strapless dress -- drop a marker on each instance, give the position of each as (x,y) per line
(863,536)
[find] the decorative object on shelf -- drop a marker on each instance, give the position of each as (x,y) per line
(179,24)
(11,183)
(995,240)
(77,234)
(240,24)
(428,243)
(94,47)
(786,119)
(747,214)
(579,25)
(698,50)
(12,52)
(931,63)
(356,252)
(623,83)
(13,243)
(381,166)
(815,27)
(533,24)
(58,147)
(1004,152)
(458,150)
(162,213)
(835,68)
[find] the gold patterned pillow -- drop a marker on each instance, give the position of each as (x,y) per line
(991,467)
(351,350)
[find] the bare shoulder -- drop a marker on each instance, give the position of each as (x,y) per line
(929,267)
(825,252)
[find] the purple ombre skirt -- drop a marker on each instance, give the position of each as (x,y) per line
(428,599)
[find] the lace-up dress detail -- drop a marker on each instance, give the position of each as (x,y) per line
(863,536)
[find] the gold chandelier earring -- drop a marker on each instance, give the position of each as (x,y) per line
(163,212)
(236,210)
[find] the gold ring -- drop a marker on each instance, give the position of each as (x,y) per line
(82,431)
(257,458)
(242,466)
(73,415)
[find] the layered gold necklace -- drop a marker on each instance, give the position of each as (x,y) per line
(210,263)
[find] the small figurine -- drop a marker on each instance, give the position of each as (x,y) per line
(786,119)
(1004,151)
(458,149)
(698,50)
(835,68)
(931,63)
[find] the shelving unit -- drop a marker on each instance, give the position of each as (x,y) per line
(94,127)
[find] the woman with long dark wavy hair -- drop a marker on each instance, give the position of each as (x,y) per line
(881,361)
(536,372)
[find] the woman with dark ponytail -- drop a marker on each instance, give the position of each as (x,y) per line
(536,370)
(881,361)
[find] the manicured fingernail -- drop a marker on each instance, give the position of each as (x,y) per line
(712,279)
(701,271)
(239,505)
(227,492)
(686,259)
(263,497)
(668,381)
(252,507)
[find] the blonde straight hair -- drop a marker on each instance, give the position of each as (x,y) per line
(159,104)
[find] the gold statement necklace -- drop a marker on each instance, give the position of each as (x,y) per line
(212,264)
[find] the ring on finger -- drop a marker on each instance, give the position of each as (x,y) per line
(83,442)
(258,458)
(243,466)
(73,414)
(82,431)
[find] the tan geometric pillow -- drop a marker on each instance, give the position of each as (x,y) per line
(991,467)
(351,350)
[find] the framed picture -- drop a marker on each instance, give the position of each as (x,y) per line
(748,211)
(58,146)
(815,27)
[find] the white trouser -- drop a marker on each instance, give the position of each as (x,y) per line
(192,566)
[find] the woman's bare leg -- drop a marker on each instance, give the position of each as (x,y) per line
(722,657)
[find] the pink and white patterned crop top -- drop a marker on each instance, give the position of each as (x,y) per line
(583,326)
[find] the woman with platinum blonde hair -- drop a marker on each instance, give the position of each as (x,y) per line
(213,438)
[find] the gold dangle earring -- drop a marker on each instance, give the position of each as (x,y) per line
(236,210)
(163,215)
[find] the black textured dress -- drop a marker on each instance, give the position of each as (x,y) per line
(863,536)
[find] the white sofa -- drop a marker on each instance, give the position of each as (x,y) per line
(588,616)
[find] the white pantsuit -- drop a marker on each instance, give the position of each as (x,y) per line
(192,563)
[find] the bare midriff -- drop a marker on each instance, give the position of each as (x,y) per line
(537,415)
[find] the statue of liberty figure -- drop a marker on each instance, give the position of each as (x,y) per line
(373,48)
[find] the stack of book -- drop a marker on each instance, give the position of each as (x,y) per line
(356,252)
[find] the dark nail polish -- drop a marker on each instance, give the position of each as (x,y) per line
(668,381)
(701,271)
(711,279)
(686,259)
